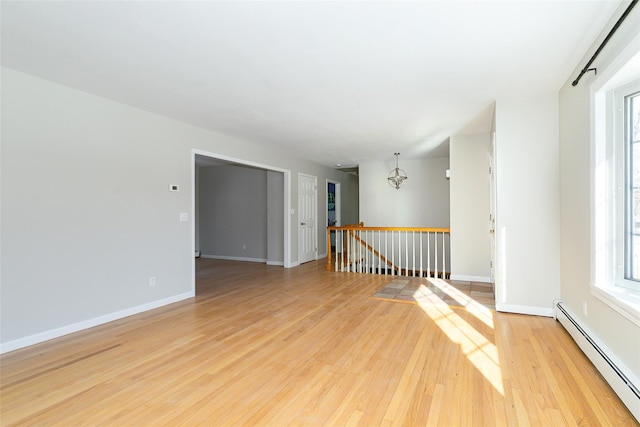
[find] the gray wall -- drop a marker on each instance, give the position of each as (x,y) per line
(87,217)
(240,213)
(275,214)
(350,209)
(426,192)
(233,212)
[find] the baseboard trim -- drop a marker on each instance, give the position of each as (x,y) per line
(278,263)
(621,379)
(89,323)
(523,309)
(233,258)
(466,278)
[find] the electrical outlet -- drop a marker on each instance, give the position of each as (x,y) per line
(152,281)
(584,307)
(244,247)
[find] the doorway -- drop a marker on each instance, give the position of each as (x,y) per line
(283,197)
(333,210)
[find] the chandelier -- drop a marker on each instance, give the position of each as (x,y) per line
(397,177)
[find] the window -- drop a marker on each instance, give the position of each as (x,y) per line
(616,187)
(630,111)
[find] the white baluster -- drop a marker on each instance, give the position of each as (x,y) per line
(435,252)
(399,253)
(360,251)
(337,252)
(444,251)
(406,253)
(421,271)
(354,251)
(393,254)
(350,252)
(413,251)
(385,251)
(365,251)
(347,258)
(379,252)
(429,253)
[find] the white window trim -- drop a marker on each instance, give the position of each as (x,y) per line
(623,300)
(617,145)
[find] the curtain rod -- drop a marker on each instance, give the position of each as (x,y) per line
(604,42)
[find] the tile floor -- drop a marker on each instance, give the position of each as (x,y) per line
(452,292)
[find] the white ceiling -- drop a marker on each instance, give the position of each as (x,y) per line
(336,81)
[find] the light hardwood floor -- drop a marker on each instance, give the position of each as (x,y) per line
(263,345)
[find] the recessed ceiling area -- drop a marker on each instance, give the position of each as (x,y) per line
(336,82)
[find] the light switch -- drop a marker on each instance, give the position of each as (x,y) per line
(184,216)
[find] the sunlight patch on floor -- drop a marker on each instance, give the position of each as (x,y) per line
(480,311)
(481,352)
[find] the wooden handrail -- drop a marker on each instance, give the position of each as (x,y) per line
(362,227)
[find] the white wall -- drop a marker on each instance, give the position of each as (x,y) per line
(422,202)
(528,204)
(469,184)
(87,217)
(617,332)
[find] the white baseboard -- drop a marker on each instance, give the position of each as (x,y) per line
(89,323)
(279,263)
(523,309)
(233,258)
(621,379)
(466,278)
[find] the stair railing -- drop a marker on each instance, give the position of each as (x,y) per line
(397,251)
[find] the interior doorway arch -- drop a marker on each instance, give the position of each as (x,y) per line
(214,158)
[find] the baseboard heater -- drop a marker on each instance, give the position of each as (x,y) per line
(614,372)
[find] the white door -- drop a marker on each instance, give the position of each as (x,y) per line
(307,214)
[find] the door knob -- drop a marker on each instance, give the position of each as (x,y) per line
(303,223)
